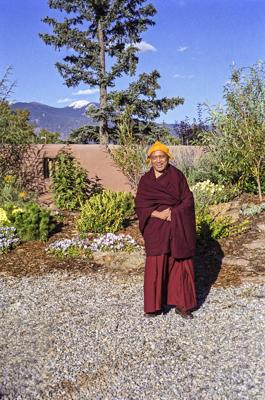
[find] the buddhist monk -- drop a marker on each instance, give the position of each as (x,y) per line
(165,208)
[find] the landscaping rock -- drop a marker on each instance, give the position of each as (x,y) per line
(236,261)
(230,209)
(261,227)
(122,260)
(258,244)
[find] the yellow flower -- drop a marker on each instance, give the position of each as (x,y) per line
(9,179)
(16,210)
(3,217)
(22,195)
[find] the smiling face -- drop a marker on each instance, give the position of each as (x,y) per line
(159,161)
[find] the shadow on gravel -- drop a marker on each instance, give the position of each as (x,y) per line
(208,262)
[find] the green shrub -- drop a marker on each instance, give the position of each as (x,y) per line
(250,186)
(32,222)
(70,184)
(209,227)
(105,212)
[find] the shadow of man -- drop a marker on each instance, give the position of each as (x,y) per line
(207,265)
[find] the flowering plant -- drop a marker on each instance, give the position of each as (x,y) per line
(112,242)
(78,247)
(12,192)
(9,179)
(207,193)
(3,217)
(69,247)
(8,239)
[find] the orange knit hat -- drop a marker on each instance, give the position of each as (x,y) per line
(158,146)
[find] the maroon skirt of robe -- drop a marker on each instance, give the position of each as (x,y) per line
(168,281)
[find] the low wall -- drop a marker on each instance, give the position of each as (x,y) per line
(96,160)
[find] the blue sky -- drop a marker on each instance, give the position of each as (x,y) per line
(193,45)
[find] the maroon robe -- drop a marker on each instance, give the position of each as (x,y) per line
(169,245)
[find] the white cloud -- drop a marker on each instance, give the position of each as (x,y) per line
(143,46)
(65,100)
(85,91)
(182,49)
(184,76)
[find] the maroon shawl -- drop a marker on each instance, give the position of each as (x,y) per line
(177,237)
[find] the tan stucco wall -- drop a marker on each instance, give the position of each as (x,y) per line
(97,161)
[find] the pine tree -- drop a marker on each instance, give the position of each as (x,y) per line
(145,106)
(97,31)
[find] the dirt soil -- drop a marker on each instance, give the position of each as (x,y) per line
(31,259)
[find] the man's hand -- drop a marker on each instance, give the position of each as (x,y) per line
(165,214)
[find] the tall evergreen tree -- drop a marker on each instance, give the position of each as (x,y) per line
(95,30)
(145,106)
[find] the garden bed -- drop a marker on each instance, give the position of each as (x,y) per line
(224,262)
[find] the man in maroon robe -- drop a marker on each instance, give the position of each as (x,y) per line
(165,208)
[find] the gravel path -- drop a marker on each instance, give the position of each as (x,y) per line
(66,337)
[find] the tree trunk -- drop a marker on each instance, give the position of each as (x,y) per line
(103,124)
(258,168)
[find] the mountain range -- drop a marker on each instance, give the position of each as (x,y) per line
(60,119)
(56,119)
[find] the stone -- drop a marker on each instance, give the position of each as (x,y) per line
(230,209)
(236,261)
(258,244)
(261,227)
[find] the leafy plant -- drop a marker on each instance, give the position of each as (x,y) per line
(236,143)
(32,222)
(209,227)
(105,212)
(129,156)
(70,184)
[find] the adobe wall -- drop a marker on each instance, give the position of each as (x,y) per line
(97,161)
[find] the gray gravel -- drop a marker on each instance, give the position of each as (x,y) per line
(66,337)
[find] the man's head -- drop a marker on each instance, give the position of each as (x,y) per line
(159,156)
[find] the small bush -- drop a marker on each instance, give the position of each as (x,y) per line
(70,184)
(105,212)
(130,156)
(250,186)
(208,227)
(31,222)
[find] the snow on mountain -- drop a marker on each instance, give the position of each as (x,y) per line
(62,120)
(79,104)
